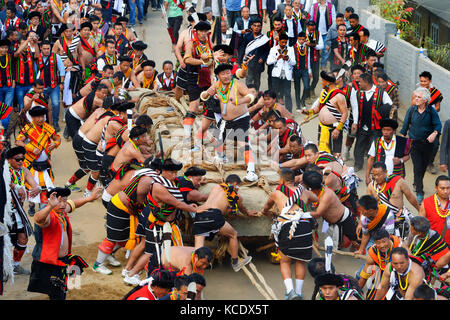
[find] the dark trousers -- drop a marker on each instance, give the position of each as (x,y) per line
(315,69)
(254,77)
(175,24)
(435,149)
(231,17)
(363,141)
(301,76)
(421,153)
(269,76)
(282,88)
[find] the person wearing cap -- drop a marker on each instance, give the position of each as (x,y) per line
(87,50)
(53,250)
(147,78)
(332,108)
(124,66)
(282,58)
(184,38)
(39,139)
(331,288)
(390,190)
(391,149)
(138,55)
(199,62)
(189,184)
(34,19)
(174,11)
(19,176)
(166,80)
(314,41)
(7,79)
(235,119)
(369,105)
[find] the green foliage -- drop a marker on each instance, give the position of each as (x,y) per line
(438,54)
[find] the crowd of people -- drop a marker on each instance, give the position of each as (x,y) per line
(84,59)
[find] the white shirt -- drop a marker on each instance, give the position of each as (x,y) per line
(281,65)
(390,154)
(216,8)
(254,6)
(246,23)
(165,80)
(368,95)
(322,27)
(101,64)
(290,26)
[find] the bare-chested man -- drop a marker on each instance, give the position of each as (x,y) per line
(407,276)
(131,152)
(185,36)
(390,191)
(234,97)
(332,118)
(199,69)
(188,260)
(111,128)
(210,218)
(97,118)
(87,50)
(270,103)
(114,83)
(83,108)
(115,144)
(56,6)
(334,213)
(297,246)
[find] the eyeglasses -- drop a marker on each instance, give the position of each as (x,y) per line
(19,159)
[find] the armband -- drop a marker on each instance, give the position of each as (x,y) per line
(252,98)
(340,126)
(310,112)
(364,275)
(202,98)
(71,203)
(244,67)
(187,56)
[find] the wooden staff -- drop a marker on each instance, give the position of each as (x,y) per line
(343,253)
(308,119)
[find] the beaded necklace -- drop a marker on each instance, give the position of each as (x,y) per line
(445,212)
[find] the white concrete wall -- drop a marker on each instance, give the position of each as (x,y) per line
(403,62)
